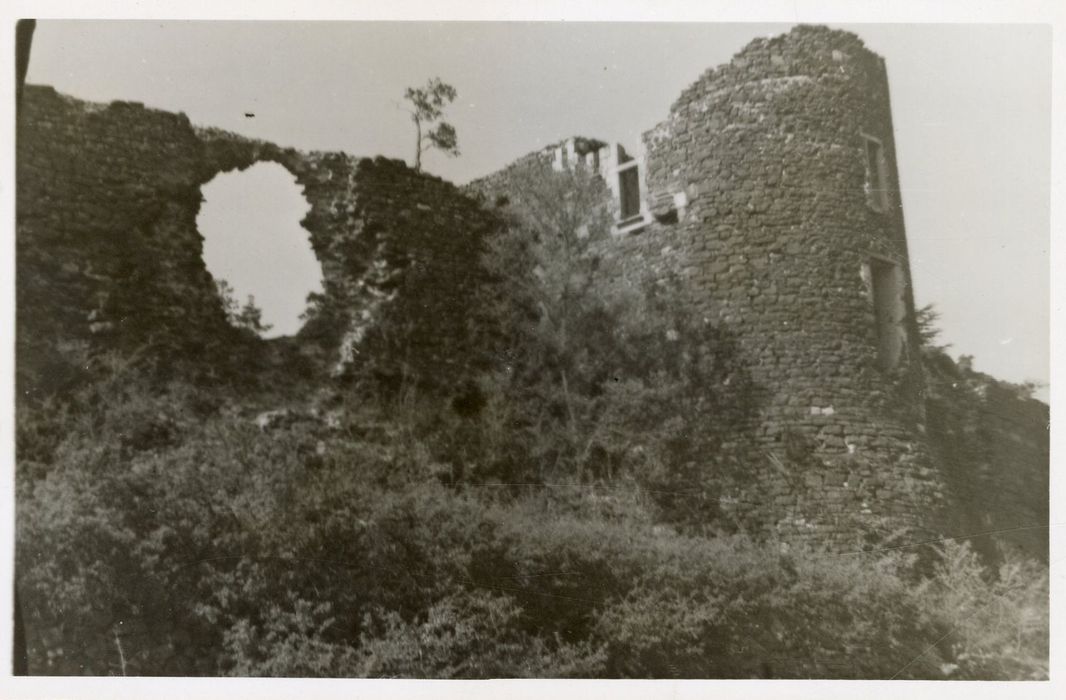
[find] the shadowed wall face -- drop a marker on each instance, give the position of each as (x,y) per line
(106,243)
(110,257)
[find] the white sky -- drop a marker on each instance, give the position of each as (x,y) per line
(250,222)
(971,105)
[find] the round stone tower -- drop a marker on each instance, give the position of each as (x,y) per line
(775,195)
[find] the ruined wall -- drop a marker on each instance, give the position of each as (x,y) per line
(776,241)
(106,246)
(763,214)
(398,248)
(759,217)
(109,255)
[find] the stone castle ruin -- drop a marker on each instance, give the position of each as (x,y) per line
(768,197)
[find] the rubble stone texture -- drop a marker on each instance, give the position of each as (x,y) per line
(771,207)
(108,251)
(761,216)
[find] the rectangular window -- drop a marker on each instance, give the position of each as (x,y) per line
(628,190)
(629,193)
(876,175)
(886,285)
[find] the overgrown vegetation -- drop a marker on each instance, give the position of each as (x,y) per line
(164,533)
(988,435)
(555,516)
(248,316)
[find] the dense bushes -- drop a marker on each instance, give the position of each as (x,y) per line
(209,546)
(593,379)
(552,515)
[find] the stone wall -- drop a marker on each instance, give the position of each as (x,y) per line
(106,244)
(757,215)
(760,219)
(776,241)
(431,239)
(109,255)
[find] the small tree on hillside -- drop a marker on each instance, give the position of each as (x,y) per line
(429,102)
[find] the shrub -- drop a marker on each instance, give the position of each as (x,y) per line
(228,550)
(289,641)
(161,532)
(998,620)
(472,635)
(667,605)
(596,379)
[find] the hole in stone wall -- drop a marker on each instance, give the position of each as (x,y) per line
(253,240)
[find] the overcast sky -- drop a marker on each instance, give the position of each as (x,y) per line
(971,105)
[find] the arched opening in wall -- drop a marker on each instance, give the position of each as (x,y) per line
(256,249)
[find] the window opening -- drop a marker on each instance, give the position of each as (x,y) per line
(629,192)
(886,282)
(876,175)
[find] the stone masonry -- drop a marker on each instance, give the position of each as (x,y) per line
(767,201)
(109,255)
